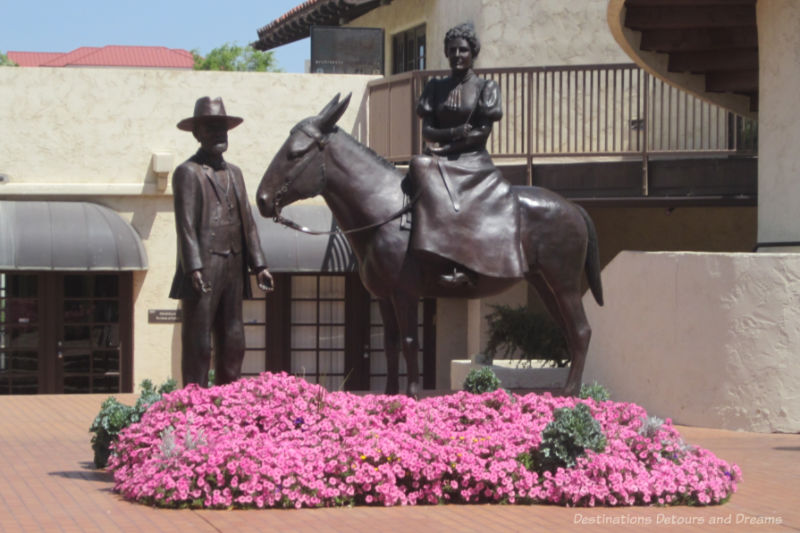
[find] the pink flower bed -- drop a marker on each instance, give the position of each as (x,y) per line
(278,441)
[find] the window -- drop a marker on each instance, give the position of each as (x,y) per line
(326,328)
(408,49)
(426,337)
(317,329)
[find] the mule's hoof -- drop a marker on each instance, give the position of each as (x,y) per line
(412,391)
(455,280)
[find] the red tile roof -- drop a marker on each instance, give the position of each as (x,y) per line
(108,56)
(32,59)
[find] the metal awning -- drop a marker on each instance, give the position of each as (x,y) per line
(289,250)
(53,235)
(296,24)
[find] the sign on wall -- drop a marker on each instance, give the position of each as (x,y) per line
(164,316)
(336,50)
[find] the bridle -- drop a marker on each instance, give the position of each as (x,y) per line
(321,141)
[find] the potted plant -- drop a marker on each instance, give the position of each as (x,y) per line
(525,349)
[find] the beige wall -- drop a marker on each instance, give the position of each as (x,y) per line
(512,32)
(545,32)
(88,134)
(706,339)
(100,126)
(779,117)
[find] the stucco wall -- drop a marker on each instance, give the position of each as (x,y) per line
(88,134)
(101,125)
(545,32)
(779,116)
(707,339)
(512,32)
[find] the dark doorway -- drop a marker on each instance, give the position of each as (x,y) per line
(65,333)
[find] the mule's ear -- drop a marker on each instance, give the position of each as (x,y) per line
(328,120)
(329,106)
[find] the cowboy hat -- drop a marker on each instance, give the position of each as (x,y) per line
(208,109)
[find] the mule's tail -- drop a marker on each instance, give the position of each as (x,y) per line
(592,265)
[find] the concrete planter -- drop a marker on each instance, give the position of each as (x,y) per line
(511,373)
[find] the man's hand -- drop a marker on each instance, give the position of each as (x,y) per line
(265,281)
(199,283)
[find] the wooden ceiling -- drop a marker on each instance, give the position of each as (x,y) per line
(714,38)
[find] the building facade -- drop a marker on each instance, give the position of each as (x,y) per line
(105,139)
(690,193)
(87,233)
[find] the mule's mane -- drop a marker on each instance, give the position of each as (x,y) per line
(368,151)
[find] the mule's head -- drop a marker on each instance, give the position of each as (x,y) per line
(296,171)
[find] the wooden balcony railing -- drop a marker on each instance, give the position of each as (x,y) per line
(574,111)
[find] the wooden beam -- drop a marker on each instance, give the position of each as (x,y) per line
(692,40)
(672,3)
(683,17)
(733,81)
(705,60)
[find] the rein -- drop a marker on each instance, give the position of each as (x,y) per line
(321,142)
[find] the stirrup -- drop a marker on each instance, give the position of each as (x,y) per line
(456,279)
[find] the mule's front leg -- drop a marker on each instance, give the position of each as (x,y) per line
(405,306)
(391,346)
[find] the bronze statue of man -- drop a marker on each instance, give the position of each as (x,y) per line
(467,212)
(217,242)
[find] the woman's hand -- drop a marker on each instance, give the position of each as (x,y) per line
(439,149)
(460,132)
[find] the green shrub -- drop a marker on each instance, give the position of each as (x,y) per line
(109,422)
(115,416)
(595,391)
(480,380)
(567,437)
(534,336)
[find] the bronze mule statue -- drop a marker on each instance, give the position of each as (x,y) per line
(364,194)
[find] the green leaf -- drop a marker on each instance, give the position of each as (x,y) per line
(233,57)
(6,62)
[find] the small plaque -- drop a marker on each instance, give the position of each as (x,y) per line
(164,316)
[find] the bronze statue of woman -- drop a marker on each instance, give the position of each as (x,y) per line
(466,213)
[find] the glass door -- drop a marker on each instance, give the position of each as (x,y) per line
(20,334)
(65,333)
(88,344)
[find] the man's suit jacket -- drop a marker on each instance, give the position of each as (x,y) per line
(197,203)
